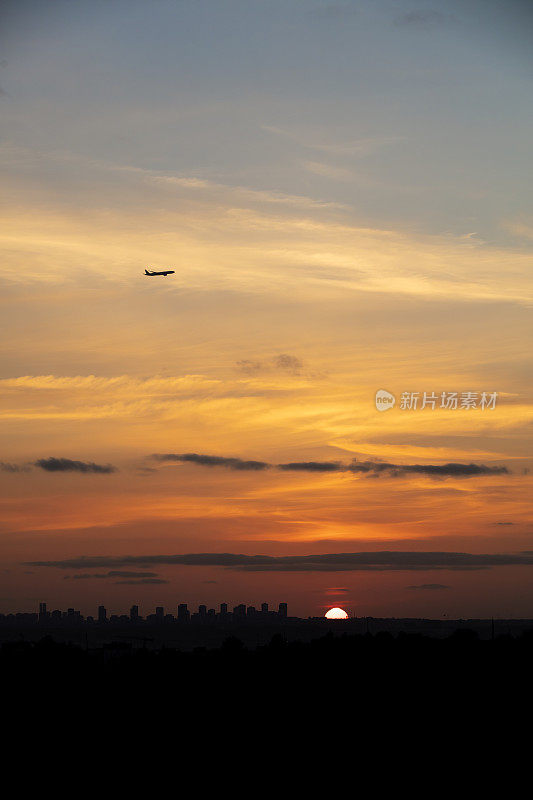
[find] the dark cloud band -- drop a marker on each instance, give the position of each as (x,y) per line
(113,574)
(381,561)
(376,468)
(314,466)
(67,465)
(142,582)
(212,461)
(444,470)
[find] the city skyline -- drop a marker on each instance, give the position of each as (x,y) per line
(184,614)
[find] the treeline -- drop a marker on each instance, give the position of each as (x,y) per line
(368,656)
(372,683)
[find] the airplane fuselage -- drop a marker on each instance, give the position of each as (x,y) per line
(153,274)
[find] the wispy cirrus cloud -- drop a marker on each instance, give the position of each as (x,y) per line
(352,147)
(14,468)
(182,384)
(328,170)
(284,362)
(242,193)
(262,240)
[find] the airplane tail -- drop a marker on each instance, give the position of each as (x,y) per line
(146,272)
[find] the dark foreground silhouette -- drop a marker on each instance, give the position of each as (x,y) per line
(341,666)
(369,694)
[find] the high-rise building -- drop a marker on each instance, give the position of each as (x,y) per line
(202,610)
(43,613)
(159,613)
(240,610)
(134,613)
(102,614)
(264,608)
(223,609)
(183,613)
(282,610)
(250,611)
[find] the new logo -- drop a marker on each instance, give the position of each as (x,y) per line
(384,400)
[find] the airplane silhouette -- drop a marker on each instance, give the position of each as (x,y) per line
(151,273)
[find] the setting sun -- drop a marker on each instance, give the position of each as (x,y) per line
(336,613)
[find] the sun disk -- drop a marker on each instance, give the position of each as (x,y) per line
(336,613)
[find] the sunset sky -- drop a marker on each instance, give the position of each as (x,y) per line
(344,192)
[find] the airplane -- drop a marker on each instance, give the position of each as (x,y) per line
(151,273)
